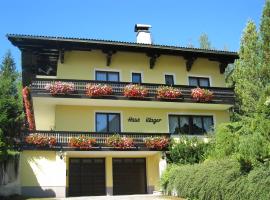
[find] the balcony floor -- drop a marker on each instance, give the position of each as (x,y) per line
(129,103)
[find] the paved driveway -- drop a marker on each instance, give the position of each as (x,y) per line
(125,197)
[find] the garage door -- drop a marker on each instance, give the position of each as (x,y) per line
(129,176)
(86,176)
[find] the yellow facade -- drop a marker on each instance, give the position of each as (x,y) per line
(60,114)
(38,170)
(82,65)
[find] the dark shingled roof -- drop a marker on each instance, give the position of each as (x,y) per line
(19,39)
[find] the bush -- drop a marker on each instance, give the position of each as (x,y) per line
(218,180)
(188,150)
(247,140)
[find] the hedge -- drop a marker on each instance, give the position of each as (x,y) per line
(217,180)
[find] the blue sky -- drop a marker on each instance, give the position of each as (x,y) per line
(174,22)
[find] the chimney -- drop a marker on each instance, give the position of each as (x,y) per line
(143,33)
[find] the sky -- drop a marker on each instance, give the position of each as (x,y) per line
(174,22)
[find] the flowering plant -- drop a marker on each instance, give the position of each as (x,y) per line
(59,87)
(158,143)
(28,108)
(40,140)
(82,142)
(96,90)
(166,92)
(119,142)
(134,90)
(202,95)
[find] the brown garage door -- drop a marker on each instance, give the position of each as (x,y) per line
(129,176)
(86,176)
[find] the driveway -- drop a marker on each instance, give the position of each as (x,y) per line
(125,197)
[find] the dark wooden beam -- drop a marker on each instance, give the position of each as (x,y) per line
(189,62)
(109,54)
(152,59)
(222,66)
(62,56)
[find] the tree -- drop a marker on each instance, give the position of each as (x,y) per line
(265,44)
(204,41)
(10,103)
(245,77)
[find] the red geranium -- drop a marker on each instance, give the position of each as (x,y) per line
(201,95)
(40,140)
(28,108)
(158,143)
(59,87)
(134,90)
(82,142)
(96,90)
(119,142)
(166,92)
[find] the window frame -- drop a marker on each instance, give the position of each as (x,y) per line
(171,75)
(190,121)
(107,120)
(107,75)
(198,80)
(136,73)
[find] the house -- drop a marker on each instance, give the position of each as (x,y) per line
(78,95)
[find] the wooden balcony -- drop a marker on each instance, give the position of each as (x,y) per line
(63,138)
(221,95)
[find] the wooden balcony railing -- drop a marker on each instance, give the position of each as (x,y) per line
(221,95)
(63,138)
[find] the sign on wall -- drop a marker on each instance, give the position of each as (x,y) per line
(147,120)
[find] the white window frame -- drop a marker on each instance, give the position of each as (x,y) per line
(108,70)
(171,74)
(193,114)
(109,111)
(200,76)
(142,77)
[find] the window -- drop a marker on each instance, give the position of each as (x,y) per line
(108,122)
(199,81)
(136,78)
(107,76)
(189,124)
(169,80)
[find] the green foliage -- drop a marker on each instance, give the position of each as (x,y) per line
(265,44)
(245,77)
(247,140)
(10,103)
(217,180)
(204,41)
(188,150)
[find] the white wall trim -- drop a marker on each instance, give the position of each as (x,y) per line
(109,111)
(168,73)
(200,76)
(107,70)
(141,72)
(190,113)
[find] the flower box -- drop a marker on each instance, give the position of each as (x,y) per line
(201,95)
(97,90)
(158,143)
(136,91)
(82,142)
(40,140)
(119,142)
(167,92)
(59,87)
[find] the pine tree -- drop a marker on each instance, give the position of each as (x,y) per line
(10,103)
(204,41)
(245,77)
(265,44)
